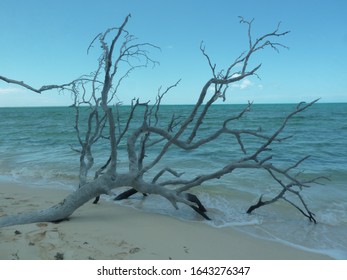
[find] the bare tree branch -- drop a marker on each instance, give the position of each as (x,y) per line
(37,90)
(97,119)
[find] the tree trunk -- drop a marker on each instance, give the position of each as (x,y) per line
(102,185)
(65,208)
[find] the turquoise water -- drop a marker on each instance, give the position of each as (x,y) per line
(35,148)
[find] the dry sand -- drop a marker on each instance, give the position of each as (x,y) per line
(109,231)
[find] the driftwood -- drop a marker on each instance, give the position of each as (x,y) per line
(120,55)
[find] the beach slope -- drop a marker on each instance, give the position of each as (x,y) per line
(109,231)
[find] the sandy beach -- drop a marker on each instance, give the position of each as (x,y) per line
(108,231)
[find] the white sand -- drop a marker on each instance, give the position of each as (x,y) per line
(109,231)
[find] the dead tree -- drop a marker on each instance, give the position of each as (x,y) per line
(120,55)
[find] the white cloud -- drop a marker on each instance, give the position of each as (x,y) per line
(235,75)
(211,89)
(10,90)
(243,84)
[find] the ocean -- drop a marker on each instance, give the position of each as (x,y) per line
(35,149)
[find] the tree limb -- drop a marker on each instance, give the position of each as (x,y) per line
(37,90)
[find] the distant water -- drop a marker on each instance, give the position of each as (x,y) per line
(35,150)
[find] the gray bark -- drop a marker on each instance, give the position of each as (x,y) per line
(102,185)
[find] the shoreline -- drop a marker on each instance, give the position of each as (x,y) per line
(110,231)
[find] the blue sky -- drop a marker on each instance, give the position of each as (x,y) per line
(45,42)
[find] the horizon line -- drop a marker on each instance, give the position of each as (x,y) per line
(191,104)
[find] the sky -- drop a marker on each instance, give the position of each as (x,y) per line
(45,42)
